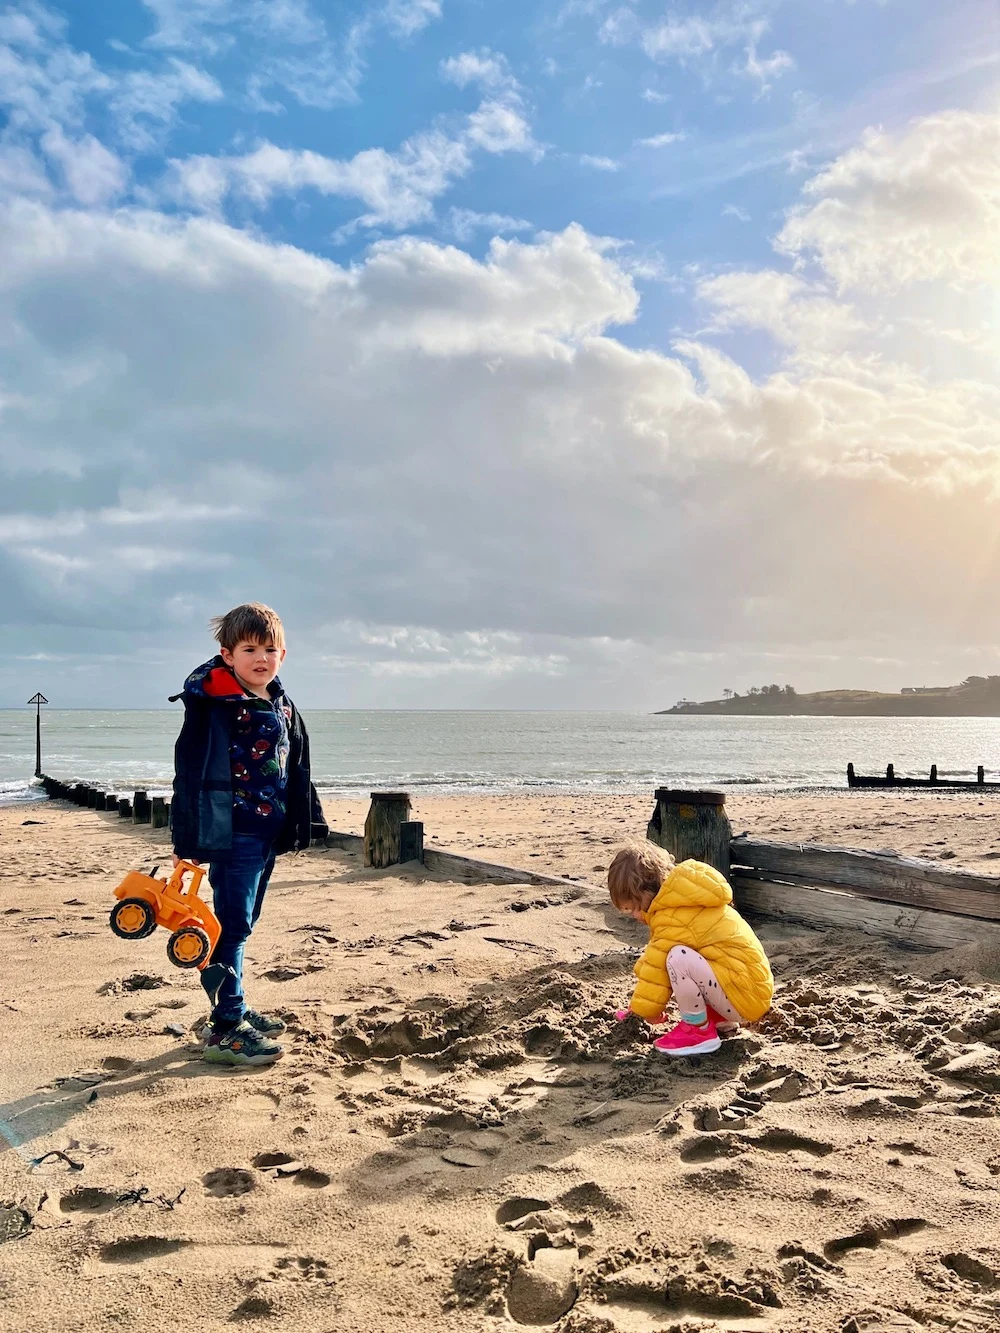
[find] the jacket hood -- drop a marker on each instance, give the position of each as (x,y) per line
(692,884)
(214,680)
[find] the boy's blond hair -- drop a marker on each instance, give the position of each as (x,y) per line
(252,622)
(638,869)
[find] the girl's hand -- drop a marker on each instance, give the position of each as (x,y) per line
(622,1014)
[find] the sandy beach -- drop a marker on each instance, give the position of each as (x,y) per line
(459,1138)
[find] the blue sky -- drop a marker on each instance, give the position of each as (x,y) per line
(608,287)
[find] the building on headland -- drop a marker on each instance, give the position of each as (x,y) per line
(923,689)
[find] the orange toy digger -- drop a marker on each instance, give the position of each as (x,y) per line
(146,902)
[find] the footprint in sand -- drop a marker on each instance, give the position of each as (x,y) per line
(784,1140)
(512,1210)
(88,1199)
(228,1182)
(711,1148)
(870,1237)
(590,1197)
(283,1166)
(639,1291)
(971,1269)
(137,1249)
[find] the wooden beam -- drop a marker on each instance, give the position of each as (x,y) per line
(886,877)
(836,908)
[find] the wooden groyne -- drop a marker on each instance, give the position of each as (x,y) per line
(914,903)
(890,779)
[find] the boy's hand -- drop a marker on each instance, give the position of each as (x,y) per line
(178,859)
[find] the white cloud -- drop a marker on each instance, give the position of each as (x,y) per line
(398,189)
(765,70)
(146,102)
(698,38)
(918,206)
(549,471)
(94,175)
(693,36)
(599,163)
(793,311)
(654,96)
(661,140)
(44,81)
(52,91)
(465,222)
(406,17)
(499,127)
(483,67)
(734,211)
(320,63)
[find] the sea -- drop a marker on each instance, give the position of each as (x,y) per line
(355,751)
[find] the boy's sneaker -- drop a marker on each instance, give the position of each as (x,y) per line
(686,1039)
(241,1045)
(266,1024)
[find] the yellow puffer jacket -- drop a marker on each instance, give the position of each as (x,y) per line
(694,909)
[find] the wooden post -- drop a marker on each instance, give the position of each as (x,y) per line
(692,825)
(141,810)
(933,773)
(79,793)
(111,801)
(124,808)
(91,798)
(980,775)
(411,841)
(890,773)
(388,810)
(158,814)
(850,775)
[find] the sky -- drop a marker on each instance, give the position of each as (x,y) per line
(551,354)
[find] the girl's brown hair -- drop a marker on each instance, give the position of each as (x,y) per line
(638,869)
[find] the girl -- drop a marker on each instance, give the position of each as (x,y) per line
(700,949)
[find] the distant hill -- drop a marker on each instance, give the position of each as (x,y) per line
(977,696)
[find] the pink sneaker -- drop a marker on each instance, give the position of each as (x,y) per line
(686,1039)
(719,1021)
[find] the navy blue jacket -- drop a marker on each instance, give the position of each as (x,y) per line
(201,813)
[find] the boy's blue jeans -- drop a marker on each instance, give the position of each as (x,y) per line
(239,885)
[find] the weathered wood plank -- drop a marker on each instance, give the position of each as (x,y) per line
(837,908)
(925,897)
(884,876)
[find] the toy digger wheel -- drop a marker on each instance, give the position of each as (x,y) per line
(133,919)
(188,947)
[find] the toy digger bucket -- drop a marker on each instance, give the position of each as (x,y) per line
(145,902)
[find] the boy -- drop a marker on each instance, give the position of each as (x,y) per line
(242,795)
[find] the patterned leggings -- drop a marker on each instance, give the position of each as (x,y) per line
(696,986)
